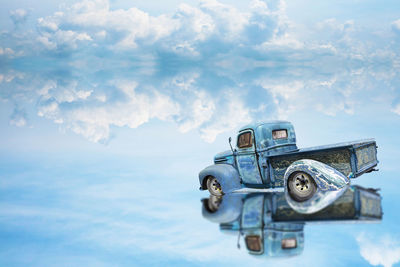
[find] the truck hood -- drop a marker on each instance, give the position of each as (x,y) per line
(223,155)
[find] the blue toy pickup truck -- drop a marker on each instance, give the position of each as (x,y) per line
(266,156)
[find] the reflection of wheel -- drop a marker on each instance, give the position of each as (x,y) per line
(214,187)
(213,203)
(222,209)
(301,186)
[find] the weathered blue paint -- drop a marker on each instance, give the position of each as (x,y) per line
(230,208)
(265,142)
(248,168)
(331,184)
(263,165)
(275,233)
(365,157)
(227,176)
(326,177)
(355,204)
(252,215)
(246,162)
(341,157)
(269,218)
(225,157)
(253,225)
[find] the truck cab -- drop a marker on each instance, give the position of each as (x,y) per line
(258,141)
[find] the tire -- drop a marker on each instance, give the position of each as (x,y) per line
(301,186)
(222,209)
(214,187)
(213,203)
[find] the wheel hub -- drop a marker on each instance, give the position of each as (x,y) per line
(214,186)
(301,186)
(302,183)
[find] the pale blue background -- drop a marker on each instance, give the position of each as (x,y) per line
(101,140)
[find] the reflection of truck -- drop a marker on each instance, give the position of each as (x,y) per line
(270,227)
(266,151)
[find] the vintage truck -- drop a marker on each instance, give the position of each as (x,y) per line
(266,156)
(270,227)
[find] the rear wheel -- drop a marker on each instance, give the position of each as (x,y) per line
(301,186)
(214,187)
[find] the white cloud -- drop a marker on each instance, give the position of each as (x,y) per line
(396,26)
(68,38)
(47,25)
(300,94)
(44,91)
(18,118)
(181,32)
(86,115)
(200,111)
(46,42)
(91,113)
(210,67)
(379,251)
(396,108)
(229,21)
(10,76)
(95,18)
(285,96)
(232,113)
(19,16)
(195,21)
(9,52)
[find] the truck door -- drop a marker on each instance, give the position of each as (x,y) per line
(247,159)
(252,223)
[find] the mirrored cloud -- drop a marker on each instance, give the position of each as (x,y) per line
(379,251)
(396,26)
(18,16)
(18,118)
(212,67)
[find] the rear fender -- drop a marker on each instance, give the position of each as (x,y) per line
(227,176)
(331,184)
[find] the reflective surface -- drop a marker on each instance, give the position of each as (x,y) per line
(106,211)
(269,227)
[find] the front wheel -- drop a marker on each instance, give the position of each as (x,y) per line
(301,186)
(213,203)
(214,187)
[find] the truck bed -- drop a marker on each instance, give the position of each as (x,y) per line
(350,158)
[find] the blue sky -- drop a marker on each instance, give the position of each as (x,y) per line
(109,109)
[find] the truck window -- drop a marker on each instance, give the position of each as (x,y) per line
(289,243)
(245,140)
(279,134)
(253,243)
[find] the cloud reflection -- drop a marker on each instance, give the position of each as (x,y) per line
(379,251)
(211,67)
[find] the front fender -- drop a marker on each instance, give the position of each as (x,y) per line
(331,184)
(227,176)
(229,210)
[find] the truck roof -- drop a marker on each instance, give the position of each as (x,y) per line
(256,124)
